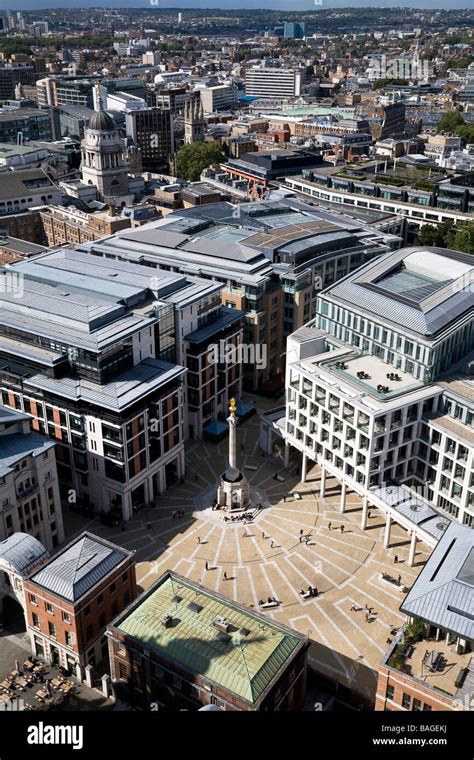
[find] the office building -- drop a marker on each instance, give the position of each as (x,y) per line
(271,257)
(14,73)
(73,595)
(380,392)
(29,493)
(31,123)
(272,82)
(184,646)
(90,351)
(294,30)
(218,97)
(152,130)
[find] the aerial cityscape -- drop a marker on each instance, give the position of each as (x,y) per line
(236,359)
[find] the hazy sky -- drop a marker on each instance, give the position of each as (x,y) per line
(236,4)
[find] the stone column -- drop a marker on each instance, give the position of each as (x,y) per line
(386,538)
(106,685)
(411,556)
(88,674)
(342,505)
(232,442)
(78,672)
(304,464)
(286,460)
(365,512)
(322,492)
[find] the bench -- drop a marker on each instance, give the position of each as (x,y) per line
(267,605)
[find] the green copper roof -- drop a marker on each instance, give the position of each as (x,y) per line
(243,661)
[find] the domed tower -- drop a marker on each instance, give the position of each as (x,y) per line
(103,156)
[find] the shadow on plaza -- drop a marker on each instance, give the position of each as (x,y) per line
(345,676)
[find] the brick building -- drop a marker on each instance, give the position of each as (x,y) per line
(181,645)
(430,664)
(72,597)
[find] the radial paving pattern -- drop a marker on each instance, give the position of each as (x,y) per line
(267,558)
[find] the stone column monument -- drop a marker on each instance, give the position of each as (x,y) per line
(233,491)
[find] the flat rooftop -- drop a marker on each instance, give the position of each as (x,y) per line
(243,661)
(377,371)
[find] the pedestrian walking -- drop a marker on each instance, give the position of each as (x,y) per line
(225,575)
(353,607)
(207,565)
(342,528)
(284,500)
(367,617)
(263,534)
(301,532)
(399,579)
(271,545)
(242,447)
(369,514)
(395,559)
(329,525)
(199,539)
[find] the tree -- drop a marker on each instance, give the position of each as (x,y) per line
(459,237)
(436,235)
(192,159)
(450,121)
(462,237)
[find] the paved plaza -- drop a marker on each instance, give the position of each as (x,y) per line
(268,559)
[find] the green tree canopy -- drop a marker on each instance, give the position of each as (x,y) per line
(459,237)
(450,121)
(192,159)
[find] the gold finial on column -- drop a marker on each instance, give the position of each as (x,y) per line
(232,406)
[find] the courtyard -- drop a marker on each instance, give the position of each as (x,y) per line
(296,542)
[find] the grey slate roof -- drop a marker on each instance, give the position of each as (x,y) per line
(17,446)
(79,567)
(443,593)
(117,394)
(22,551)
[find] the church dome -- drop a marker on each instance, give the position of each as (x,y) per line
(101,121)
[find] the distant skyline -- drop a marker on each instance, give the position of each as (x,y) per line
(278,5)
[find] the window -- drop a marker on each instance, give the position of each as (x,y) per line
(52,630)
(124,577)
(69,638)
(112,588)
(66,617)
(36,622)
(50,609)
(89,632)
(33,599)
(102,619)
(87,610)
(426,708)
(100,599)
(406,701)
(416,704)
(114,609)
(390,692)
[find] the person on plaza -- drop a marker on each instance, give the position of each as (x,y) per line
(395,559)
(207,565)
(329,525)
(342,528)
(225,575)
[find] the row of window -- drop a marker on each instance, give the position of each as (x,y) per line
(408,703)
